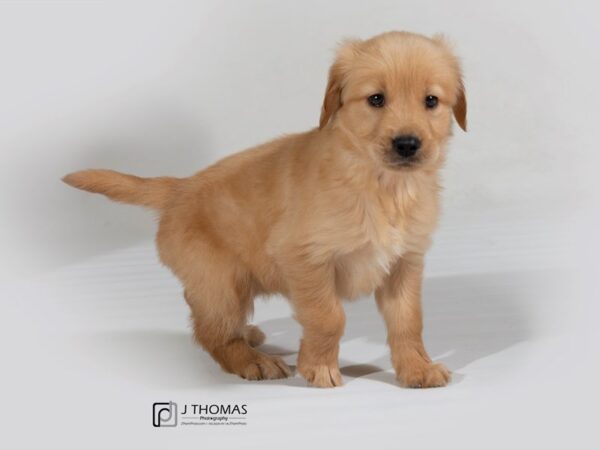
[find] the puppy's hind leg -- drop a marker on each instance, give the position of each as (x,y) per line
(219,291)
(219,312)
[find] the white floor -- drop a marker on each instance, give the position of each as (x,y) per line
(89,348)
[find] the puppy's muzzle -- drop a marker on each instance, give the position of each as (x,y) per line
(406,146)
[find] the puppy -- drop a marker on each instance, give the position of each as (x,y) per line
(340,211)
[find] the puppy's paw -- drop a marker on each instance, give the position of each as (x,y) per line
(253,335)
(424,375)
(322,375)
(263,367)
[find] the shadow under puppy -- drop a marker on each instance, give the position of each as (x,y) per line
(340,211)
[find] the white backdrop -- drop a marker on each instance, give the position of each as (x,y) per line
(158,88)
(168,87)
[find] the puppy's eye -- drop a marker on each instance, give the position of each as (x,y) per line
(431,101)
(376,100)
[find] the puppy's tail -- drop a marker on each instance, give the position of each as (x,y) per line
(149,192)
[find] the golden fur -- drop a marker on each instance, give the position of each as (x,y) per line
(320,216)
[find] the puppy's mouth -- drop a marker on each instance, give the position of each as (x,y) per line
(396,162)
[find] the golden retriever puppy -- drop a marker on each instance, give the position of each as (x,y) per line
(340,211)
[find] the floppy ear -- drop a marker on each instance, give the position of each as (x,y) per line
(460,107)
(333,96)
(333,93)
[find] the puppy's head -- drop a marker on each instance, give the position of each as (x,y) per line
(393,97)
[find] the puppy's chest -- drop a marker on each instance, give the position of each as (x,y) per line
(382,243)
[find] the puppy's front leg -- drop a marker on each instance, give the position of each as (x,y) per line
(399,301)
(318,309)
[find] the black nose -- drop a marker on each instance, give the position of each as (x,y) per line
(406,145)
